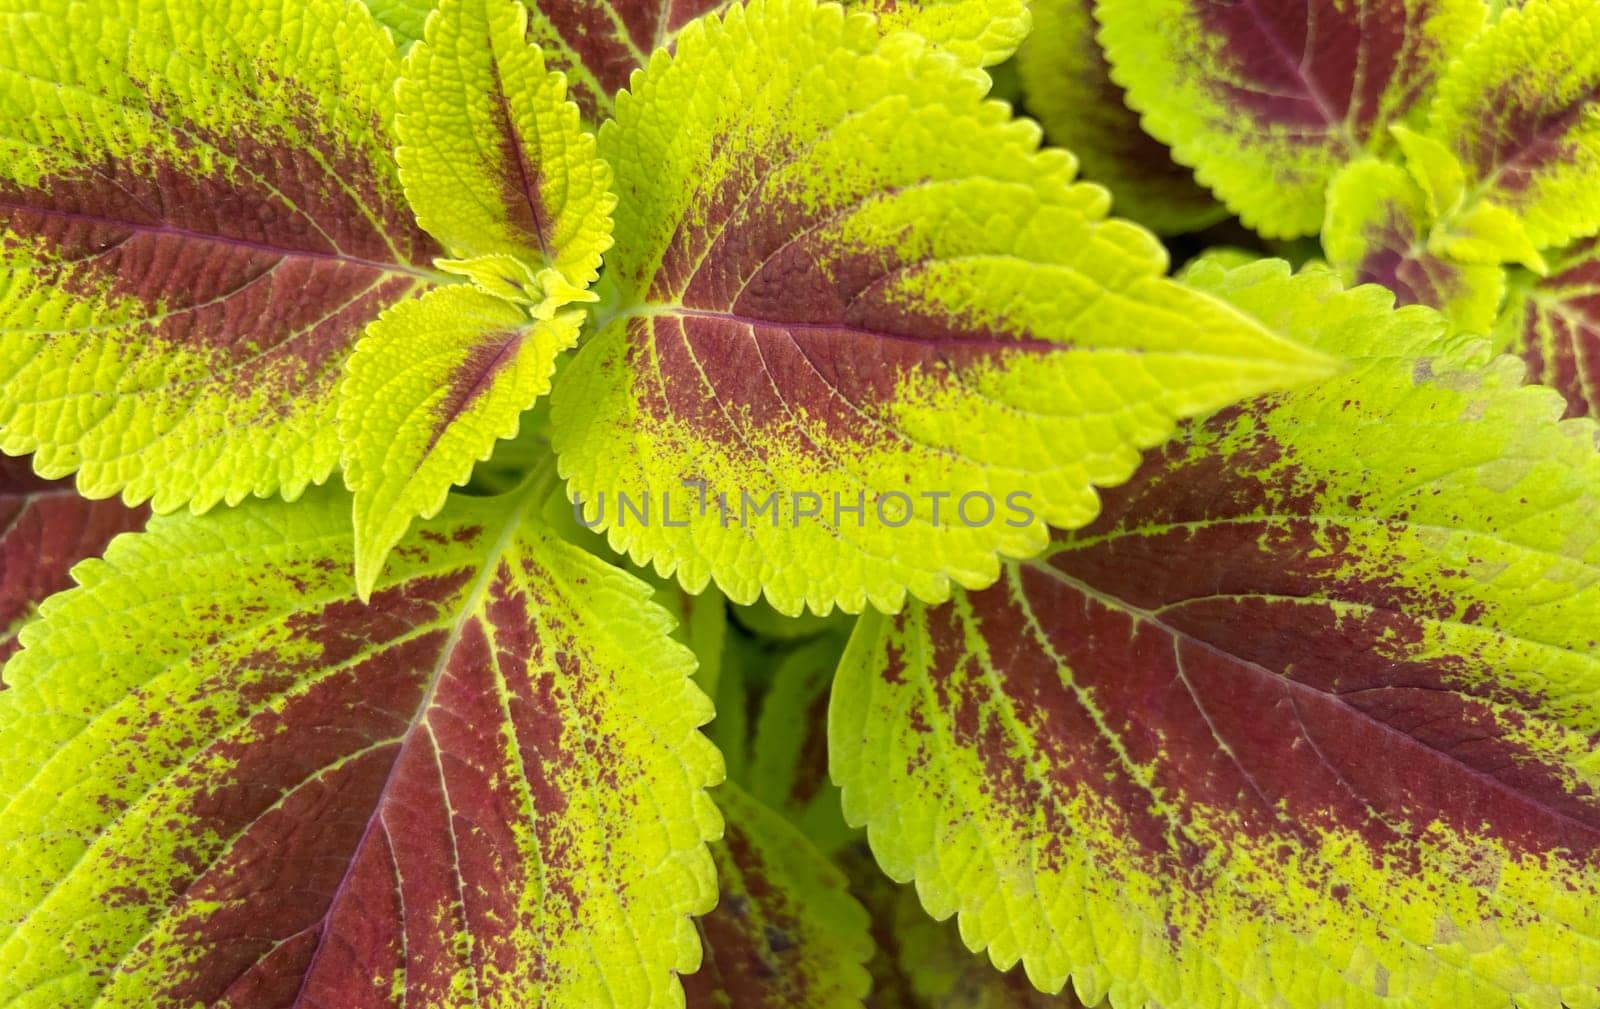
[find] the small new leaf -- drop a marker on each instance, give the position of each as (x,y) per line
(1380,229)
(498,168)
(432,386)
(1267,101)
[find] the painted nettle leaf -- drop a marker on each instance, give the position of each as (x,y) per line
(45,528)
(230,783)
(1069,88)
(1306,717)
(858,283)
(724,504)
(1553,323)
(1377,232)
(498,169)
(200,214)
(600,43)
(785,934)
(1266,101)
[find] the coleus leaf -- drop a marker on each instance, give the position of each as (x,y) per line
(1377,232)
(785,933)
(46,527)
(1069,88)
(498,169)
(1306,717)
(1519,111)
(1268,100)
(818,308)
(432,386)
(1553,323)
(200,213)
(600,43)
(227,782)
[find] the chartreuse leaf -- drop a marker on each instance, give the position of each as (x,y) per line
(977,32)
(433,385)
(1553,323)
(1518,110)
(1069,88)
(46,528)
(600,43)
(404,18)
(494,159)
(785,933)
(1378,231)
(1268,100)
(498,169)
(1306,717)
(200,214)
(859,286)
(227,782)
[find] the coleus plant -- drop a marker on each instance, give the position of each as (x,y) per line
(1447,149)
(1285,695)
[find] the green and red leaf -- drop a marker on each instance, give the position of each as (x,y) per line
(785,933)
(46,528)
(1268,100)
(1069,88)
(498,169)
(199,214)
(1377,232)
(1305,717)
(229,783)
(1520,109)
(599,44)
(864,283)
(1553,323)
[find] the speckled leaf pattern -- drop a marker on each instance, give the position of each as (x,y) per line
(200,213)
(1306,717)
(812,302)
(1377,232)
(1553,323)
(1069,88)
(45,528)
(228,783)
(785,933)
(1267,99)
(499,170)
(600,43)
(1519,111)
